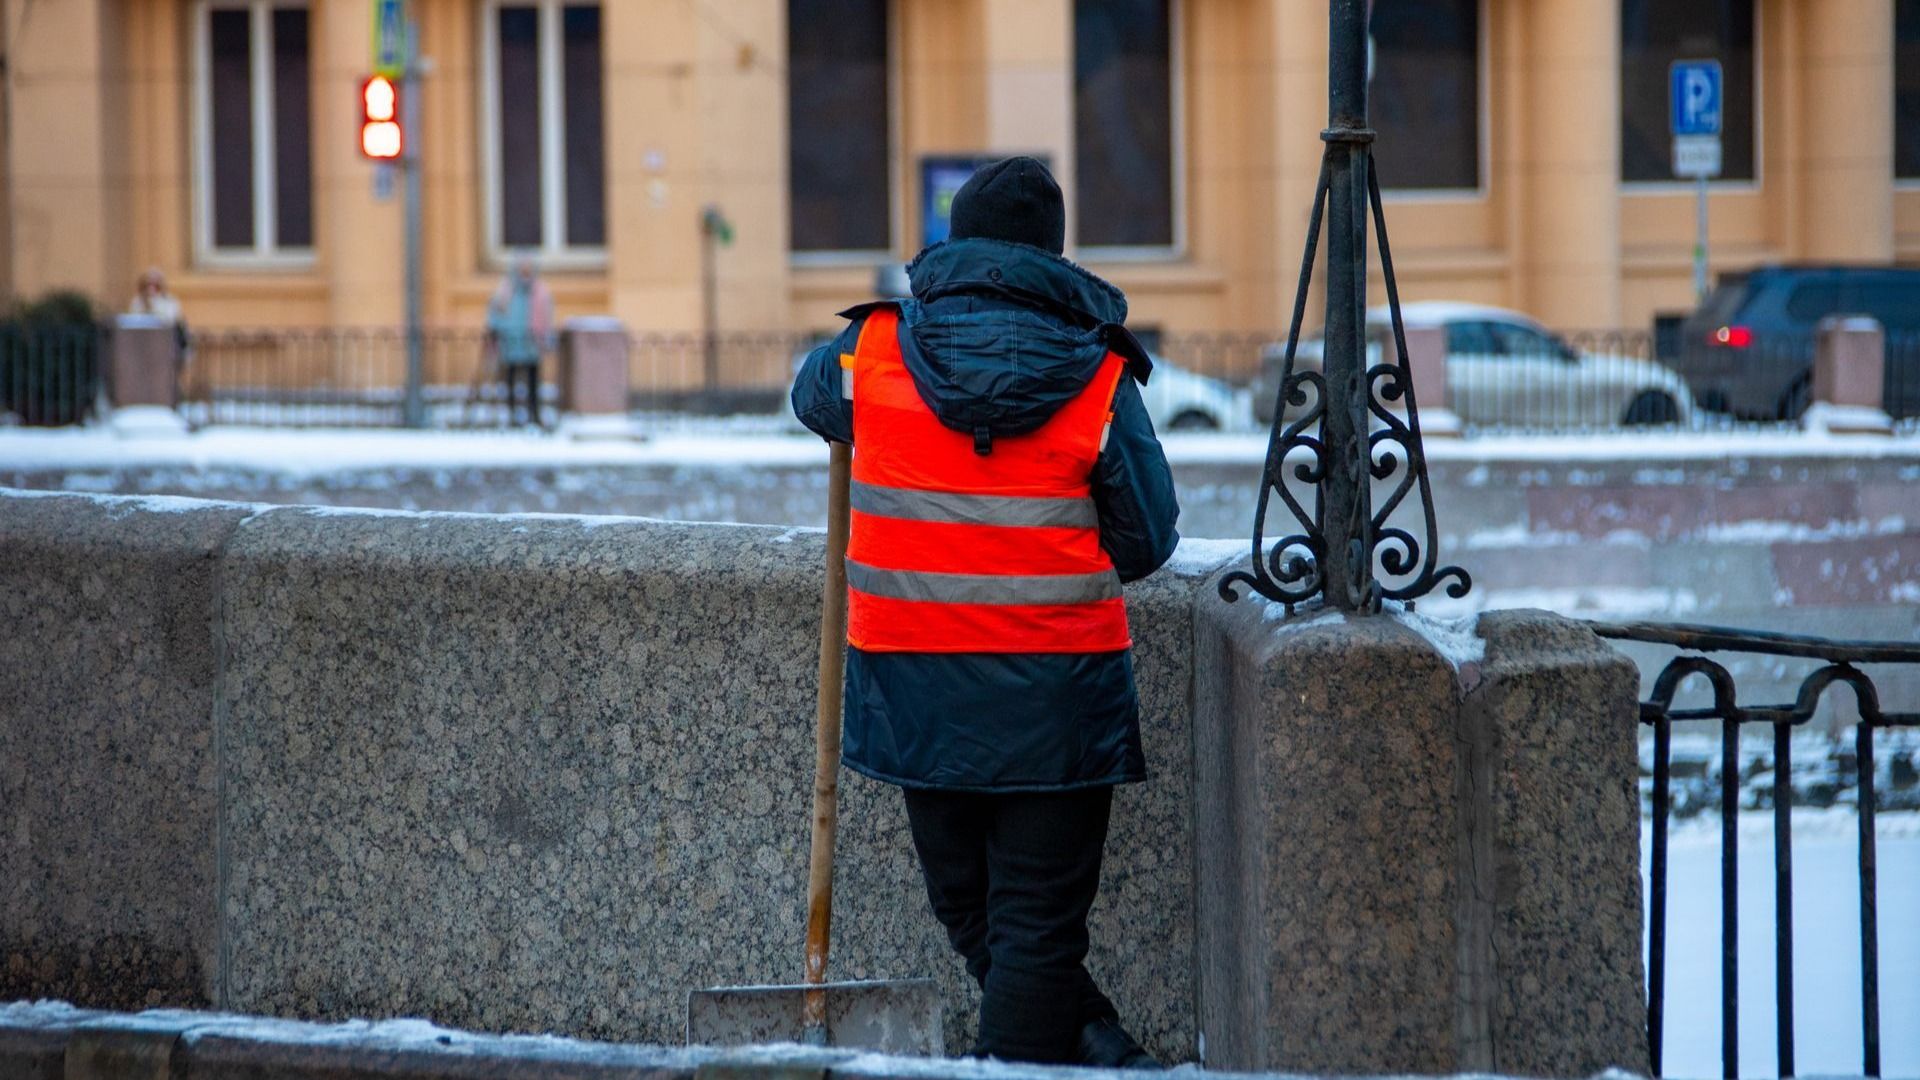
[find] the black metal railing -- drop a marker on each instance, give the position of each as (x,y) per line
(50,373)
(1901,388)
(1577,382)
(356,376)
(1840,663)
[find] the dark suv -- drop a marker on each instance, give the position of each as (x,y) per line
(1748,350)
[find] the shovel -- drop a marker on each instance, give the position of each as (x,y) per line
(895,1016)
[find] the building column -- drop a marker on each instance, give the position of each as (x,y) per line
(59,158)
(1299,89)
(1845,159)
(653,169)
(1029,91)
(1567,243)
(360,240)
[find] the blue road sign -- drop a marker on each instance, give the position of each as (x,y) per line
(941,177)
(1695,92)
(390,38)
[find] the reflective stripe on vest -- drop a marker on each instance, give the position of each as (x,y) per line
(957,551)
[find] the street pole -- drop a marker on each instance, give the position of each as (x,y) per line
(1350,426)
(416,411)
(1349,509)
(1700,238)
(710,304)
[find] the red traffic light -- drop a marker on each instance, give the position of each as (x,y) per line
(380,135)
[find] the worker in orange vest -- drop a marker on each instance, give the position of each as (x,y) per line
(1006,482)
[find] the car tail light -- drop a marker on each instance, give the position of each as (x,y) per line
(1733,337)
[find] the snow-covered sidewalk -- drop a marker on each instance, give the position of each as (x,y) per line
(756,441)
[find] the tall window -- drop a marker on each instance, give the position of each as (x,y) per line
(838,125)
(1424,92)
(1123,134)
(546,175)
(254,173)
(1655,33)
(1906,90)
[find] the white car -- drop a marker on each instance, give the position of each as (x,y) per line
(1180,400)
(1506,370)
(1176,400)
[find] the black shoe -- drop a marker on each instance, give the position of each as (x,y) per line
(1105,1043)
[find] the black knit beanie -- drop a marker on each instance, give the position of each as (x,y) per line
(1013,199)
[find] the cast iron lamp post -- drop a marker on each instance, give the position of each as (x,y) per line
(1359,440)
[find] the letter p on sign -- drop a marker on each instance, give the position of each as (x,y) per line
(1695,93)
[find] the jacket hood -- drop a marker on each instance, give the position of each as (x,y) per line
(984,266)
(1005,366)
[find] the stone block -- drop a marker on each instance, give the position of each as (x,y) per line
(1424,843)
(1553,725)
(1849,361)
(1427,354)
(551,775)
(144,366)
(1324,765)
(107,786)
(412,1050)
(33,1038)
(593,366)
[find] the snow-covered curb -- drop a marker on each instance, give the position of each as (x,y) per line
(316,451)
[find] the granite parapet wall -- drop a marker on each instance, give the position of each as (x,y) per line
(521,773)
(108,774)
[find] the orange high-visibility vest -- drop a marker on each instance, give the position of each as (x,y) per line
(953,550)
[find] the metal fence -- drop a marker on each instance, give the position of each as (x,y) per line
(50,374)
(1902,378)
(1496,382)
(357,376)
(1875,785)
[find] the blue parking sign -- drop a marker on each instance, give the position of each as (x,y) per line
(1694,88)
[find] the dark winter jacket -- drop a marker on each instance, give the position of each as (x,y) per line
(999,336)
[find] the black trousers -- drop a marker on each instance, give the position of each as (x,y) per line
(1012,877)
(531,373)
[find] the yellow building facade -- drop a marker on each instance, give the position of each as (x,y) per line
(124,147)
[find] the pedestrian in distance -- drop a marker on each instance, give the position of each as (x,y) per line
(150,297)
(1006,480)
(519,329)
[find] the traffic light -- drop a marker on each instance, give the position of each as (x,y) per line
(380,135)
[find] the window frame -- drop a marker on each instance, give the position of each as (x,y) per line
(553,253)
(1176,250)
(1900,183)
(896,167)
(1715,186)
(266,252)
(1483,134)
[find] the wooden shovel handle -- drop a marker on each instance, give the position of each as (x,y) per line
(826,764)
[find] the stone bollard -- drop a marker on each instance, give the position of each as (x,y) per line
(143,375)
(593,377)
(1421,845)
(1427,353)
(1849,374)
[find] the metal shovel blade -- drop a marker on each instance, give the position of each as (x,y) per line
(890,1016)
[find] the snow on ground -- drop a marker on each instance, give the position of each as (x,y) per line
(307,451)
(1552,448)
(1826,956)
(310,451)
